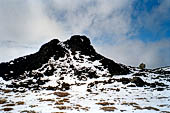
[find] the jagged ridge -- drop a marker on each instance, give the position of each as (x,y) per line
(15,68)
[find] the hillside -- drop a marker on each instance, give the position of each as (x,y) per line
(71,77)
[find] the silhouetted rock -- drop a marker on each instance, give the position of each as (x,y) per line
(124,80)
(14,69)
(80,43)
(23,67)
(138,81)
(139,74)
(30,62)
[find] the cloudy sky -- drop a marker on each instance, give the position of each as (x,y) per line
(127,31)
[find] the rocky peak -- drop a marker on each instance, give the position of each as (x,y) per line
(79,40)
(52,45)
(80,43)
(75,51)
(52,48)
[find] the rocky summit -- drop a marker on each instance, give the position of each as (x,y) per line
(76,51)
(71,77)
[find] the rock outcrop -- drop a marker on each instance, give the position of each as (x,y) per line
(15,69)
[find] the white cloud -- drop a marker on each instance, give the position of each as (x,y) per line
(26,22)
(134,52)
(34,22)
(11,50)
(38,20)
(95,17)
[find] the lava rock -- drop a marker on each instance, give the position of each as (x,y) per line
(33,61)
(152,85)
(65,86)
(89,90)
(138,81)
(80,43)
(23,67)
(160,89)
(124,80)
(131,85)
(139,74)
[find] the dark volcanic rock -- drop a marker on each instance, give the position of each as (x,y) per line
(82,43)
(124,80)
(16,68)
(139,74)
(33,61)
(138,81)
(160,71)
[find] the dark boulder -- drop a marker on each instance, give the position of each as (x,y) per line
(124,80)
(138,81)
(65,86)
(139,74)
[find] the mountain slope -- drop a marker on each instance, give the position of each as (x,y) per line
(56,49)
(71,77)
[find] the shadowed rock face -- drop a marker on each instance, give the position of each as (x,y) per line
(80,43)
(16,68)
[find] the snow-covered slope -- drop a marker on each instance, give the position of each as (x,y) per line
(70,77)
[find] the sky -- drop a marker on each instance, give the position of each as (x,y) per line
(127,31)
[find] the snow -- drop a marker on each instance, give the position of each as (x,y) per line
(127,99)
(83,98)
(166,68)
(114,95)
(11,62)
